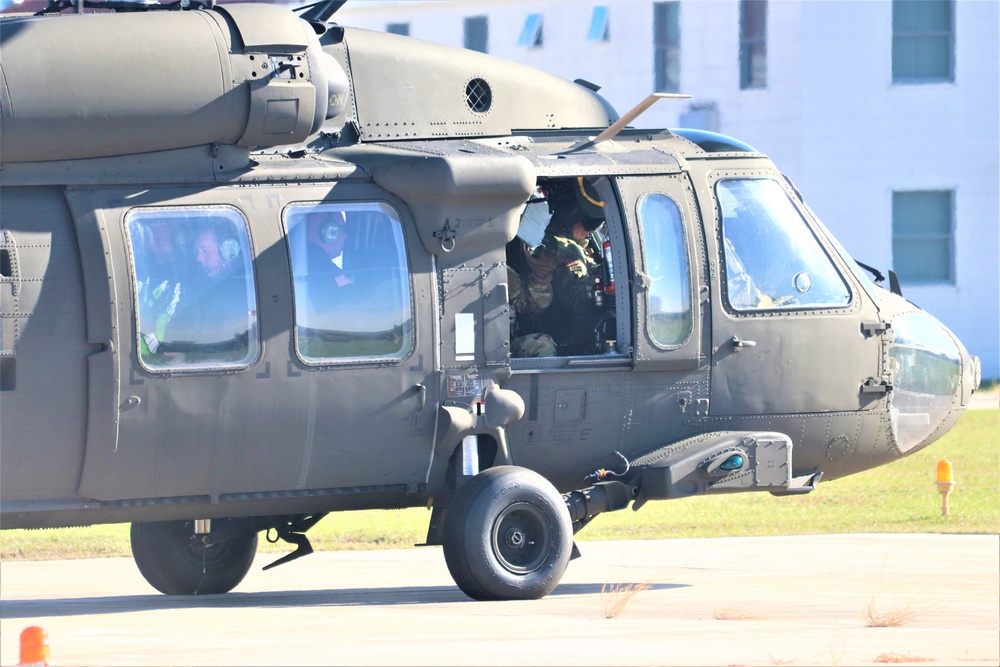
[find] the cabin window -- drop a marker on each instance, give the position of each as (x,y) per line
(398,29)
(771,258)
(193,278)
(668,297)
(351,283)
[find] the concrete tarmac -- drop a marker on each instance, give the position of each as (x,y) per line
(804,600)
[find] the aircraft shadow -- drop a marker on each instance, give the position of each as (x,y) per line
(342,597)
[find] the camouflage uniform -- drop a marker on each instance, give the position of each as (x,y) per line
(531,301)
(573,312)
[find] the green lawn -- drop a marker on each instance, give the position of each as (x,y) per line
(897,498)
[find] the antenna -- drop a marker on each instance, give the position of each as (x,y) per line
(634,113)
(320,11)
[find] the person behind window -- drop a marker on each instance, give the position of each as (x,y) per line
(574,316)
(530,296)
(159,287)
(211,321)
(327,234)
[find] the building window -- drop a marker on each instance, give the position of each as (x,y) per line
(666,47)
(599,28)
(923,236)
(477,33)
(923,41)
(531,34)
(753,44)
(350,281)
(398,28)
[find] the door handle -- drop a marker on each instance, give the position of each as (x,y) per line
(737,343)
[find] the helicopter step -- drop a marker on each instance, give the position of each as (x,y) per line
(721,462)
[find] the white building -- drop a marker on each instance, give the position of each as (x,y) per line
(884,113)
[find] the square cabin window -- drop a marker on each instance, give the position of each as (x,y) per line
(923,41)
(351,283)
(398,29)
(923,238)
(192,273)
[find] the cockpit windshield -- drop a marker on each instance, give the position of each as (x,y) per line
(773,261)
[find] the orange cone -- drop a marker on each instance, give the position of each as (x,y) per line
(34,646)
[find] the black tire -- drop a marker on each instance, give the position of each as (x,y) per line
(175,561)
(507,535)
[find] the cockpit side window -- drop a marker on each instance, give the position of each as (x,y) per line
(351,283)
(192,273)
(668,306)
(772,260)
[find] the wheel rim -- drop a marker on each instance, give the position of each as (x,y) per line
(521,538)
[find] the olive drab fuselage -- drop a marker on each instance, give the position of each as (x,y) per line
(171,350)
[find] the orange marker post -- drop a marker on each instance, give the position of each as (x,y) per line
(34,646)
(945,481)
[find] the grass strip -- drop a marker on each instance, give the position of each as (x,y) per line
(898,498)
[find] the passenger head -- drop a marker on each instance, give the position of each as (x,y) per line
(214,254)
(328,230)
(577,209)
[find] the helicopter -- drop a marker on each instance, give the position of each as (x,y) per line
(257,267)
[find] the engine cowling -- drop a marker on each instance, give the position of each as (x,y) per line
(97,85)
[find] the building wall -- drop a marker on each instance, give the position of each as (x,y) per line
(830,116)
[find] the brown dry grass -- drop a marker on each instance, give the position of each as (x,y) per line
(894,658)
(615,597)
(877,615)
(732,614)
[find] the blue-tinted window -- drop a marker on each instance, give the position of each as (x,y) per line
(599,31)
(351,282)
(531,33)
(923,236)
(668,307)
(398,29)
(194,288)
(923,41)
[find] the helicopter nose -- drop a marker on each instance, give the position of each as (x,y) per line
(927,364)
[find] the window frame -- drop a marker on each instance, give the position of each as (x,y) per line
(667,46)
(749,78)
(900,36)
(254,341)
(532,34)
(600,25)
(467,23)
(393,213)
(948,238)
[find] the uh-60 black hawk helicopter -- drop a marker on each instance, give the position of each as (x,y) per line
(257,267)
